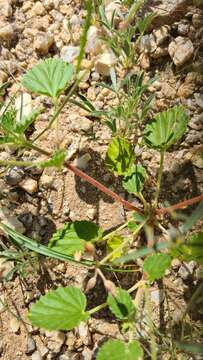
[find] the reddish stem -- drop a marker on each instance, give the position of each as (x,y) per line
(180,205)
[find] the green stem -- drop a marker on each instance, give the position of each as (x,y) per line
(158,186)
(16,163)
(97,308)
(112,233)
(119,248)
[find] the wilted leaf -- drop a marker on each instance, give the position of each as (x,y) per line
(121,305)
(60,309)
(73,236)
(166,128)
(134,181)
(49,77)
(155,265)
(120,156)
(118,350)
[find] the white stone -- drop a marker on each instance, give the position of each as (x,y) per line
(43,42)
(5,9)
(93,44)
(29,185)
(38,9)
(82,161)
(36,356)
(105,62)
(69,53)
(181,50)
(14,325)
(23,106)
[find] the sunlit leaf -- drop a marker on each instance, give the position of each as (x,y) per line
(120,156)
(112,244)
(121,305)
(166,128)
(72,237)
(134,181)
(118,350)
(60,309)
(155,265)
(49,77)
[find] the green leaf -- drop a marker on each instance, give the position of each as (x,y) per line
(49,77)
(134,181)
(156,265)
(120,156)
(166,128)
(121,305)
(60,309)
(73,236)
(191,250)
(118,350)
(7,121)
(26,121)
(57,160)
(112,244)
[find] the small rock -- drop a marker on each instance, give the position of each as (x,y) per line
(186,90)
(5,9)
(181,50)
(29,185)
(184,272)
(43,43)
(196,122)
(14,176)
(5,268)
(14,325)
(82,161)
(157,297)
(23,106)
(11,221)
(46,181)
(2,303)
(105,62)
(161,34)
(38,9)
(197,160)
(87,354)
(199,100)
(93,44)
(3,77)
(43,350)
(91,213)
(31,345)
(80,123)
(175,264)
(144,61)
(113,9)
(197,20)
(7,32)
(183,29)
(148,44)
(168,91)
(69,53)
(55,340)
(83,332)
(36,356)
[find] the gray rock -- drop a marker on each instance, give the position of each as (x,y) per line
(93,44)
(79,123)
(83,161)
(148,44)
(157,296)
(69,53)
(183,29)
(199,100)
(196,122)
(161,34)
(5,9)
(87,354)
(11,221)
(14,176)
(184,272)
(167,12)
(31,345)
(181,50)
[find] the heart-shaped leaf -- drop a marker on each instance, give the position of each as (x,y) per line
(60,309)
(49,77)
(118,350)
(120,156)
(192,249)
(134,181)
(155,265)
(72,237)
(121,305)
(166,128)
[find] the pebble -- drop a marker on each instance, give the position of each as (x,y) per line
(5,267)
(161,34)
(46,181)
(29,185)
(83,332)
(3,77)
(91,213)
(83,161)
(38,9)
(78,123)
(55,340)
(168,91)
(36,356)
(199,100)
(7,32)
(181,50)
(69,53)
(11,221)
(43,42)
(31,345)
(14,176)
(148,44)
(93,44)
(14,325)
(183,29)
(2,303)
(196,122)
(157,296)
(87,354)
(105,62)
(5,9)
(23,106)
